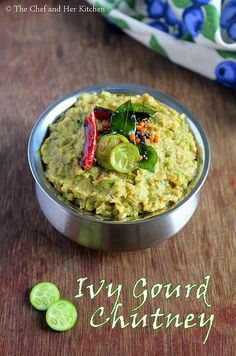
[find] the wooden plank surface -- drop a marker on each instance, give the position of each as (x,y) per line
(44,56)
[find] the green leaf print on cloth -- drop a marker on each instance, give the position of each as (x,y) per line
(120,23)
(197,34)
(131,3)
(212,22)
(227,54)
(105,10)
(181,3)
(157,47)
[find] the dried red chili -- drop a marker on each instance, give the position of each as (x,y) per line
(102,113)
(91,139)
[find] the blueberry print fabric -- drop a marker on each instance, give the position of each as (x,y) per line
(197,34)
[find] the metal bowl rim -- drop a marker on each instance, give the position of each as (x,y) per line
(129,89)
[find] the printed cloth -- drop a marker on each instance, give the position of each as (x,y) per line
(197,34)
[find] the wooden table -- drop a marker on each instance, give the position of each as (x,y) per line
(44,56)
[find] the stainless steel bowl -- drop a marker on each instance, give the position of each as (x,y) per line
(90,230)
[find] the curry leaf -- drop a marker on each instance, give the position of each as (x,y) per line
(149,157)
(139,108)
(122,120)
